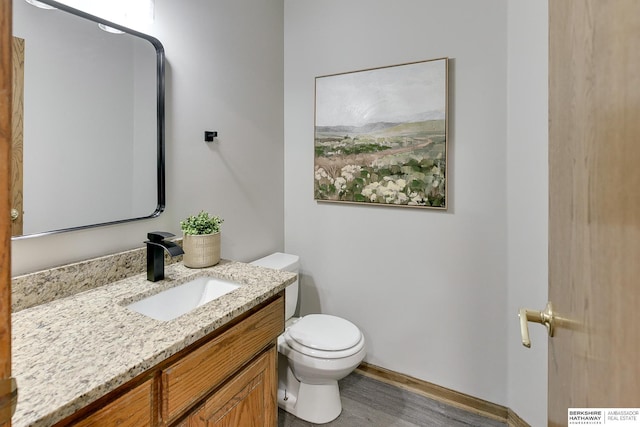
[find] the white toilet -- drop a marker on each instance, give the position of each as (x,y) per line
(315,351)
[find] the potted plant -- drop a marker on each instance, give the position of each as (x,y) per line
(201,241)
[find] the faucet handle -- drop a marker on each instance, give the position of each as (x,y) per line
(158,236)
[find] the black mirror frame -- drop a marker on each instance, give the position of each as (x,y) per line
(160,101)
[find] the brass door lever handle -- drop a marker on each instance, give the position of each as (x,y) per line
(545,317)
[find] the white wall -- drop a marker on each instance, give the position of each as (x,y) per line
(428,288)
(448,282)
(527,207)
(224,73)
(452,282)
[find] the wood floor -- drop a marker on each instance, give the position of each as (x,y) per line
(367,402)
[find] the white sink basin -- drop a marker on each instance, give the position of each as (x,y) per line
(175,302)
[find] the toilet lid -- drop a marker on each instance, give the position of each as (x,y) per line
(324,332)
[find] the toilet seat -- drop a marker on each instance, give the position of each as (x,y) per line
(324,336)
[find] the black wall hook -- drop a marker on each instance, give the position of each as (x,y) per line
(209,135)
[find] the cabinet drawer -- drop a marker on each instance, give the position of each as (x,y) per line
(189,379)
(133,409)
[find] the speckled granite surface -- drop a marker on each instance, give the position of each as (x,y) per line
(72,350)
(43,286)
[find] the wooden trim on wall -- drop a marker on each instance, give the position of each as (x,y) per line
(513,420)
(443,395)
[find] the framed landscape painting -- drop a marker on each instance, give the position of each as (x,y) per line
(381,136)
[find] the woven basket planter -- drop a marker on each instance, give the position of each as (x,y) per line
(201,250)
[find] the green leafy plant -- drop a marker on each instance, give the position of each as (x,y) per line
(203,223)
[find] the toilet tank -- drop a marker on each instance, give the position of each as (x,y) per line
(286,262)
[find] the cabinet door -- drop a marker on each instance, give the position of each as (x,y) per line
(247,400)
(191,378)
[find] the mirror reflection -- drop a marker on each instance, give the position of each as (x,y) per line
(88,122)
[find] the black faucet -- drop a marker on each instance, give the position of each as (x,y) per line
(156,245)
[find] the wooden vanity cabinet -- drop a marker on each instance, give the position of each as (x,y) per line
(135,408)
(187,380)
(228,378)
(247,400)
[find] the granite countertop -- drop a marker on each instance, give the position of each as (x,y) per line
(71,351)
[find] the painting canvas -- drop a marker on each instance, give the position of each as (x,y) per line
(381,136)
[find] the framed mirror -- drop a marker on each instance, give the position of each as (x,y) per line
(88,121)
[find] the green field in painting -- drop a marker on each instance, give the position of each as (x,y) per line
(401,164)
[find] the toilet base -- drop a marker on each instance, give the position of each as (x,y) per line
(316,404)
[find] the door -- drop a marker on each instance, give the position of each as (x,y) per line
(6,389)
(594,204)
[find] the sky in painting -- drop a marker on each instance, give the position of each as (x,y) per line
(402,93)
